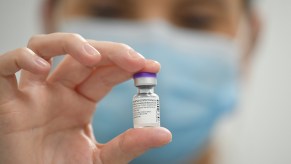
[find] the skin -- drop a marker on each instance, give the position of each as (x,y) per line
(225,17)
(219,16)
(46,118)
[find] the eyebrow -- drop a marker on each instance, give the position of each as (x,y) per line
(217,3)
(110,2)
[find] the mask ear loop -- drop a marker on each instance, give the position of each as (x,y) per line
(242,41)
(242,38)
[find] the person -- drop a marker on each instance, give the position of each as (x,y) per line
(204,47)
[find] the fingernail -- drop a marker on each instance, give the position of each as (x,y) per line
(90,50)
(135,54)
(157,62)
(41,62)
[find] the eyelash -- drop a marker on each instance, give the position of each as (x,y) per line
(106,12)
(198,21)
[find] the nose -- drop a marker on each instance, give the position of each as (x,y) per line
(153,9)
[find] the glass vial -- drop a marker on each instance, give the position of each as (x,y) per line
(146,106)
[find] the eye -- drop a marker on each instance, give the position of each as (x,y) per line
(198,16)
(106,11)
(196,21)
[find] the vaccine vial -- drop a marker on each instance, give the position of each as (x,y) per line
(146,106)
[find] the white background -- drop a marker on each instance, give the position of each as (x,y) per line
(260,131)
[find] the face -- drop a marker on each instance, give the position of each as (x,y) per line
(225,17)
(219,16)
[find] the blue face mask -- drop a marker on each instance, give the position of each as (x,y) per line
(197,83)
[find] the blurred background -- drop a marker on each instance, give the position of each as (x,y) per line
(259,132)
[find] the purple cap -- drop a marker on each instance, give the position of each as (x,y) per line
(145,78)
(144,74)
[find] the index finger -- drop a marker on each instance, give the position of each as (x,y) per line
(50,45)
(54,44)
(119,62)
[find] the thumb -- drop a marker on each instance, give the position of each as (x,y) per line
(133,143)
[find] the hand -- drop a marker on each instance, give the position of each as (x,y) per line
(46,117)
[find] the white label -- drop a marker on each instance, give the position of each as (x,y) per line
(146,110)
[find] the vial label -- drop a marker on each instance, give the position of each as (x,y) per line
(146,110)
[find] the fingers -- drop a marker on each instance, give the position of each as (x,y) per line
(54,44)
(133,143)
(119,63)
(76,70)
(13,61)
(70,73)
(113,54)
(48,46)
(120,54)
(124,57)
(103,79)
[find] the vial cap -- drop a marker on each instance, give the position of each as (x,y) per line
(145,78)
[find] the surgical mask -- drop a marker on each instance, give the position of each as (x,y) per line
(197,83)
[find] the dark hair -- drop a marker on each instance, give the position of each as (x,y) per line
(247,4)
